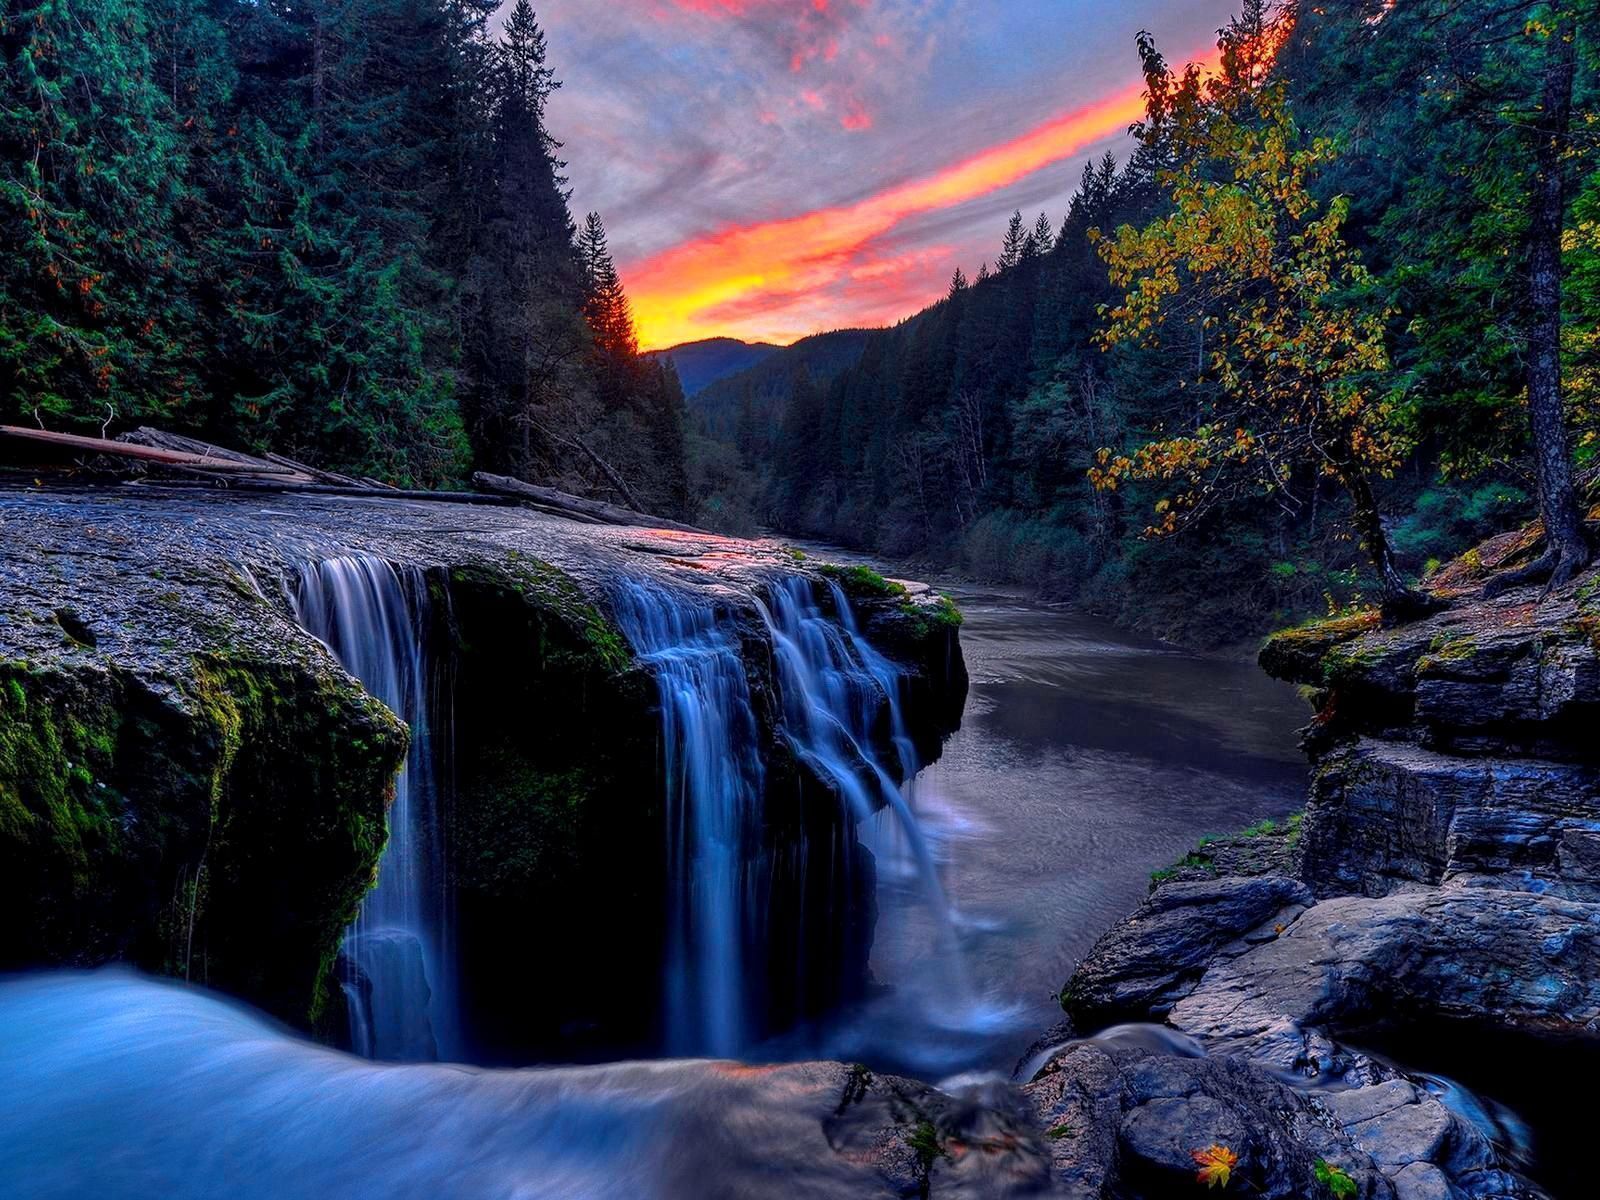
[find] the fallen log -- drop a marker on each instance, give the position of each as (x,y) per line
(316,473)
(568,505)
(156,455)
(146,435)
(269,464)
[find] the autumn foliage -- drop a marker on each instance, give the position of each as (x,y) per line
(1291,375)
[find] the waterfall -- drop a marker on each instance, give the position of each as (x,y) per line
(713,776)
(399,981)
(838,696)
(835,687)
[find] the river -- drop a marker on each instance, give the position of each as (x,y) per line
(1088,757)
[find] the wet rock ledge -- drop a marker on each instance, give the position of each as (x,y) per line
(192,784)
(1445,874)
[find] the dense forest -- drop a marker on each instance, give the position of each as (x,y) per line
(336,230)
(1278,361)
(1332,319)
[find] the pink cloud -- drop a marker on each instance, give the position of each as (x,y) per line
(811,41)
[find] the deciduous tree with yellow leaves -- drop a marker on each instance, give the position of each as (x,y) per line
(1255,269)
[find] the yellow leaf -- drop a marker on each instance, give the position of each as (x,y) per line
(1216,1165)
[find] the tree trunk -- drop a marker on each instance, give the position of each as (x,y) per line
(1398,598)
(1558,503)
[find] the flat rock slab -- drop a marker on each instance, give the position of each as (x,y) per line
(154,576)
(1148,961)
(1458,950)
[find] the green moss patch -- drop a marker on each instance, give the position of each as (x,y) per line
(862,580)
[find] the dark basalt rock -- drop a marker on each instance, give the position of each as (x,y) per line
(1447,867)
(1156,956)
(1125,1124)
(1386,814)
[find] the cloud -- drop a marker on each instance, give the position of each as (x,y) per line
(831,48)
(765,271)
(686,125)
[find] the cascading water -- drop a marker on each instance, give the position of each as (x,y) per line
(713,777)
(723,883)
(836,690)
(835,687)
(399,980)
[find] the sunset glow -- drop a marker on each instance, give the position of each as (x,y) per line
(753,281)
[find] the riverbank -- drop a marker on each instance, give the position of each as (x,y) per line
(174,696)
(1441,879)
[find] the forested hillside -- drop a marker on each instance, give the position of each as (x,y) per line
(701,364)
(1327,268)
(732,421)
(335,230)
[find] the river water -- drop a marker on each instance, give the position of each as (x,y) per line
(1088,757)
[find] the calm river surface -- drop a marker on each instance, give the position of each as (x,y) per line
(1088,757)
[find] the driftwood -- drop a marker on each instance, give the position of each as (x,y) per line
(566,505)
(316,473)
(162,440)
(267,464)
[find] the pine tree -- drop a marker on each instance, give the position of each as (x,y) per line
(1016,241)
(606,305)
(526,79)
(1041,241)
(97,321)
(958,282)
(526,343)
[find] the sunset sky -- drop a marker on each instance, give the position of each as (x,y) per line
(772,168)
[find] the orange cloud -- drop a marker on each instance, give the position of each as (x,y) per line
(753,273)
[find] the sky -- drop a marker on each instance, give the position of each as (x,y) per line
(767,169)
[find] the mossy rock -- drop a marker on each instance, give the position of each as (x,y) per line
(1300,655)
(862,581)
(220,825)
(557,828)
(928,619)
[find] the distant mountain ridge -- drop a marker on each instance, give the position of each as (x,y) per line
(700,364)
(762,390)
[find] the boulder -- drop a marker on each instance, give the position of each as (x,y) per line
(1147,963)
(1121,1121)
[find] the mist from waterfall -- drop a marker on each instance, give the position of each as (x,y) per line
(713,777)
(398,976)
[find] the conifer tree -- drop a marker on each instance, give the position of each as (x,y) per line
(1015,244)
(96,287)
(1042,240)
(606,304)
